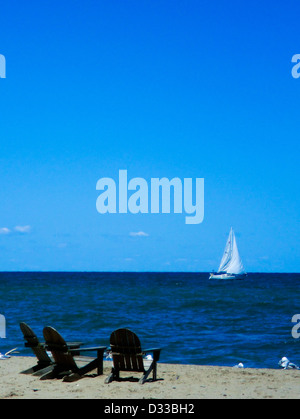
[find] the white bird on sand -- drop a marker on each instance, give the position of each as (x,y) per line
(7,354)
(240,365)
(108,355)
(286,364)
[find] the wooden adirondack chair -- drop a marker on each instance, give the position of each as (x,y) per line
(63,355)
(44,362)
(127,355)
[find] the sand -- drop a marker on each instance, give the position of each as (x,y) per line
(174,382)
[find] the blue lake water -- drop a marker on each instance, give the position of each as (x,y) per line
(193,320)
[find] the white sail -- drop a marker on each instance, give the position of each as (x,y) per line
(227,254)
(231,261)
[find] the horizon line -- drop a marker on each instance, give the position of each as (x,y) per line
(121,271)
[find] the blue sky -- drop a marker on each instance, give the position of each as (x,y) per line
(164,88)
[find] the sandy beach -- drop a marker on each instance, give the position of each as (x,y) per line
(174,382)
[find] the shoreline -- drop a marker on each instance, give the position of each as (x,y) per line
(175,381)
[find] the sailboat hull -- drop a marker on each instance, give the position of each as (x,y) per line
(227,276)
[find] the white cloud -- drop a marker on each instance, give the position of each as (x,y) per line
(139,234)
(23,229)
(4,230)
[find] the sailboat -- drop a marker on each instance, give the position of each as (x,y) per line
(231,266)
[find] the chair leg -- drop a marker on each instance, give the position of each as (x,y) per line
(96,363)
(153,367)
(114,375)
(154,370)
(100,361)
(145,376)
(48,375)
(43,371)
(31,370)
(110,378)
(37,369)
(71,377)
(55,372)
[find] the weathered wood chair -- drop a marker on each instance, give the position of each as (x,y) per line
(127,355)
(44,362)
(65,365)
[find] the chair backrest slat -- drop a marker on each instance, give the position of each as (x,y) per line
(33,343)
(126,351)
(59,348)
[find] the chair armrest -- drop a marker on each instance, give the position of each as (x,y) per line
(94,348)
(74,345)
(34,345)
